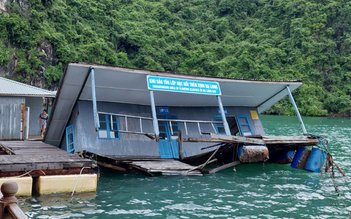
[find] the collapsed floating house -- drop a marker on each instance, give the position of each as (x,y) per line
(159,122)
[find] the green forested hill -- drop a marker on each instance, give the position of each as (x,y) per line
(257,39)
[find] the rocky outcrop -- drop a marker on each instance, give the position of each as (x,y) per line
(24,6)
(8,71)
(44,47)
(3,6)
(22,3)
(48,58)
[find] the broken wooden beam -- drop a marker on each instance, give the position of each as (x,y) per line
(111,166)
(180,143)
(225,166)
(227,139)
(307,141)
(237,139)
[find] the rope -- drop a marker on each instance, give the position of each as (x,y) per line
(330,163)
(26,173)
(80,174)
(323,144)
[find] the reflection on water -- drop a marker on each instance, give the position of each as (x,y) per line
(275,191)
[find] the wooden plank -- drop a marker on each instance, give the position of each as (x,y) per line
(288,138)
(6,149)
(23,108)
(203,165)
(237,139)
(225,166)
(168,164)
(30,166)
(180,143)
(185,173)
(227,139)
(111,166)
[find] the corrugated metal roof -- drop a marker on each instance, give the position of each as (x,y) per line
(13,88)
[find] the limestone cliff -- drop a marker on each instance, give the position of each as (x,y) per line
(45,48)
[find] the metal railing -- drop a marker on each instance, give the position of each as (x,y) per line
(125,119)
(142,119)
(185,122)
(8,203)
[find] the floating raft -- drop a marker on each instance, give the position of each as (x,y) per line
(166,167)
(19,157)
(39,168)
(147,166)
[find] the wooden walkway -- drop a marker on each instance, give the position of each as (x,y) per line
(167,167)
(146,166)
(24,156)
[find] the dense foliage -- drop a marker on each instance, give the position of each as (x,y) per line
(258,39)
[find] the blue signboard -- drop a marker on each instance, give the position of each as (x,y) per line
(163,110)
(183,85)
(225,111)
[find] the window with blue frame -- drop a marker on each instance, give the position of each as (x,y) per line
(108,127)
(244,125)
(219,126)
(70,139)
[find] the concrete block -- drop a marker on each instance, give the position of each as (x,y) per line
(66,183)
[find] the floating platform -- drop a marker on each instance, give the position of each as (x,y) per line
(146,166)
(40,161)
(228,146)
(224,155)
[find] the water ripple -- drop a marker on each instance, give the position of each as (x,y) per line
(253,191)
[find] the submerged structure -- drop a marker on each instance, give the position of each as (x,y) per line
(159,122)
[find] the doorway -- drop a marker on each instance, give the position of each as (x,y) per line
(168,145)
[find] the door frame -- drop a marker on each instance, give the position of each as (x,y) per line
(168,147)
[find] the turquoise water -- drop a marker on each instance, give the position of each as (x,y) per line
(253,191)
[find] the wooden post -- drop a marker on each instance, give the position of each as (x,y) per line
(9,202)
(208,160)
(22,120)
(180,143)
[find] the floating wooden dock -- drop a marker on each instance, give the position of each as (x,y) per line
(43,165)
(38,157)
(146,166)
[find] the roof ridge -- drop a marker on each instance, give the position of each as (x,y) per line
(23,84)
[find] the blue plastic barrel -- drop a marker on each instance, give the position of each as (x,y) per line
(316,160)
(284,157)
(300,158)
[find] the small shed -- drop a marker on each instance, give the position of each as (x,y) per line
(20,106)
